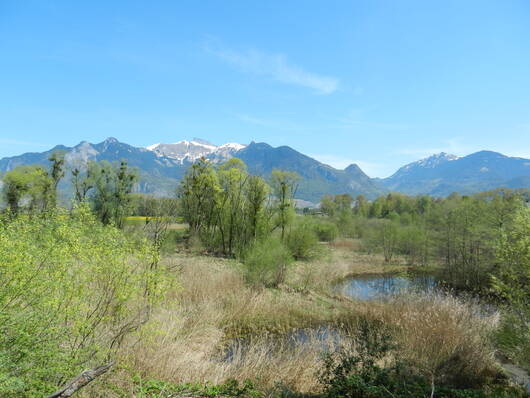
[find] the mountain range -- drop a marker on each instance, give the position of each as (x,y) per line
(162,166)
(443,174)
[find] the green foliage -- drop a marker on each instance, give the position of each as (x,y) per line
(199,195)
(112,186)
(230,389)
(224,207)
(513,338)
(384,234)
(302,241)
(152,206)
(414,244)
(511,281)
(512,277)
(82,182)
(459,232)
(326,230)
(266,262)
(71,290)
(55,174)
(27,187)
(284,185)
(33,187)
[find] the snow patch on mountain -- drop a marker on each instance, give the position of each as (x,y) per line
(432,161)
(152,147)
(189,151)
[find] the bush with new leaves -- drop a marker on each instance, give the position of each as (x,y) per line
(71,289)
(302,241)
(266,262)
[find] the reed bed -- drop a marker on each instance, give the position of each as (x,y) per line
(186,339)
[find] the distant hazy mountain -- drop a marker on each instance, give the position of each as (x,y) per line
(158,174)
(162,166)
(442,174)
(318,179)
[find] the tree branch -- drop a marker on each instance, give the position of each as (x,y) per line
(80,381)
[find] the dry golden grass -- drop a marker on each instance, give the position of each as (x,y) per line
(342,261)
(444,337)
(184,340)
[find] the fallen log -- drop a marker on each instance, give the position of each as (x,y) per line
(80,381)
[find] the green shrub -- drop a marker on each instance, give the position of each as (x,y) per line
(230,389)
(326,231)
(266,262)
(302,241)
(513,338)
(70,289)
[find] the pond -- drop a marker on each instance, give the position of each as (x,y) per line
(323,338)
(363,287)
(373,286)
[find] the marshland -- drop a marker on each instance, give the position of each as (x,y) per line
(228,289)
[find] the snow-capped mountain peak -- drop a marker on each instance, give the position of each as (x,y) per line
(232,145)
(189,151)
(152,147)
(431,161)
(435,160)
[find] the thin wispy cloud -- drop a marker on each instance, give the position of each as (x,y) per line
(276,67)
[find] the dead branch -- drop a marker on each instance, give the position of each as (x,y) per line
(80,381)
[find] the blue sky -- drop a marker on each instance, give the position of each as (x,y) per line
(378,83)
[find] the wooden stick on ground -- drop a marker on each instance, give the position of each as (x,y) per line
(80,381)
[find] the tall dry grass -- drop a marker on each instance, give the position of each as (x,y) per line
(446,338)
(186,338)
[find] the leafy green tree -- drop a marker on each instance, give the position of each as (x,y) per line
(376,209)
(27,187)
(511,279)
(82,182)
(112,191)
(125,180)
(361,206)
(56,174)
(231,224)
(466,243)
(256,194)
(384,234)
(284,185)
(224,206)
(199,196)
(328,205)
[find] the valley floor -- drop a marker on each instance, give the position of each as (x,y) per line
(212,326)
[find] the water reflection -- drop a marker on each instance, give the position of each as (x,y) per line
(369,287)
(322,338)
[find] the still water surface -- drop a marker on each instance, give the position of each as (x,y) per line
(374,286)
